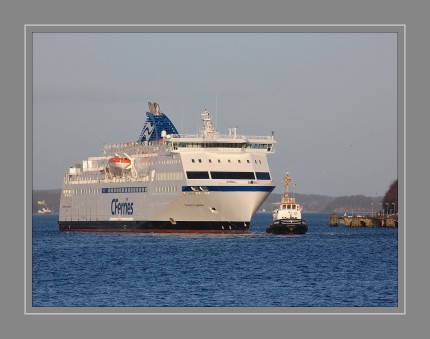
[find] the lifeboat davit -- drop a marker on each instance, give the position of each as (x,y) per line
(118,162)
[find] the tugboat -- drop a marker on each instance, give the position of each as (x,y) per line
(287,218)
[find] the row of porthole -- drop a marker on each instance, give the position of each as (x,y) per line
(219,161)
(168,162)
(166,189)
(69,192)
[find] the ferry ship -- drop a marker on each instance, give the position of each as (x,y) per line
(169,182)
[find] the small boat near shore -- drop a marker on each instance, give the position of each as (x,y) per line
(44,210)
(287,218)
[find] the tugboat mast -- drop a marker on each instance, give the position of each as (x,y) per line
(287,181)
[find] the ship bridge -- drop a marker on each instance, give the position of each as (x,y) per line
(240,144)
(209,138)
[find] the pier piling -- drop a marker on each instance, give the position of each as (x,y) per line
(364,221)
(333,219)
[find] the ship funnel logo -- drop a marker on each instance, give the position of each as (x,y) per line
(147,130)
(155,123)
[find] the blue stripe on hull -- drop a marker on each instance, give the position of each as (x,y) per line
(229,188)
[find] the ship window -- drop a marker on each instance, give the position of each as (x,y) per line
(192,160)
(219,160)
(197,175)
(239,161)
(232,175)
(247,161)
(262,175)
(293,207)
(283,207)
(210,161)
(200,160)
(229,160)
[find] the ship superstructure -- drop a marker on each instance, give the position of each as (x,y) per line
(169,182)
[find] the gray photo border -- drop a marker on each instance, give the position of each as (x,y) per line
(400,30)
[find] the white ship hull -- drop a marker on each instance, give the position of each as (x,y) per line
(177,184)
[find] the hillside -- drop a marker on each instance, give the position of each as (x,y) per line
(310,202)
(50,197)
(354,203)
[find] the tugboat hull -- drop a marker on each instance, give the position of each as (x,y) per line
(292,226)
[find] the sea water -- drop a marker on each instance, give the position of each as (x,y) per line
(326,267)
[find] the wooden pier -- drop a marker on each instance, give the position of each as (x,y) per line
(364,221)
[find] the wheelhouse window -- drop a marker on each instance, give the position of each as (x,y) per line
(197,175)
(262,175)
(233,175)
(208,145)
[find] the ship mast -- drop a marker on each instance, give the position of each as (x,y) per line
(287,181)
(208,129)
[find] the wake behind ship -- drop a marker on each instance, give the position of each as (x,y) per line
(169,182)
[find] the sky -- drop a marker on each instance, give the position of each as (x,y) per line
(330,98)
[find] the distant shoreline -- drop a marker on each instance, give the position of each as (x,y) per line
(312,203)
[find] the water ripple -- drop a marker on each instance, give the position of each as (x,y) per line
(326,267)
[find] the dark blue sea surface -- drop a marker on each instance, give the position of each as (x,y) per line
(326,267)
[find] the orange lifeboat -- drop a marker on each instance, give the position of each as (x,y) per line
(118,162)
